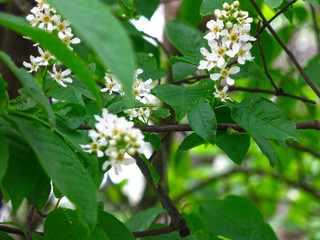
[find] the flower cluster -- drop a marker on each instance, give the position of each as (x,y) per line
(45,17)
(141,92)
(115,138)
(229,39)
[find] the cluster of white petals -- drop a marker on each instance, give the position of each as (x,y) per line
(141,92)
(45,17)
(229,40)
(117,139)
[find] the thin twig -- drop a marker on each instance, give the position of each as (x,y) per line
(264,61)
(57,204)
(29,222)
(315,26)
(289,53)
(280,93)
(305,149)
(177,221)
(160,44)
(302,186)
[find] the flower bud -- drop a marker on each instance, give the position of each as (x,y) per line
(235,14)
(226,6)
(217,12)
(113,154)
(127,139)
(112,143)
(131,151)
(229,25)
(236,4)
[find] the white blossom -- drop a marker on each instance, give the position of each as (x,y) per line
(33,65)
(61,76)
(222,94)
(225,74)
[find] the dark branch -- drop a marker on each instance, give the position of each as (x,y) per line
(264,61)
(221,126)
(305,149)
(160,44)
(29,222)
(289,53)
(153,232)
(177,221)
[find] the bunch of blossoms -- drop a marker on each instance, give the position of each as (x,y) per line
(44,17)
(141,92)
(229,40)
(115,138)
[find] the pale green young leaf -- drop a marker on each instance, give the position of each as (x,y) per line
(104,34)
(56,47)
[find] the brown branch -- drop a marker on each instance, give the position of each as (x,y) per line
(315,26)
(289,53)
(29,222)
(220,126)
(177,221)
(264,61)
(280,93)
(153,232)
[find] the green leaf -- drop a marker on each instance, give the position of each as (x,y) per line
(56,47)
(181,70)
(208,6)
(64,224)
(113,228)
(186,38)
(4,236)
(146,7)
(73,93)
(161,113)
(31,86)
(23,169)
(104,34)
(154,139)
(63,167)
(189,60)
(234,145)
(149,66)
(124,104)
(273,3)
(203,121)
(127,7)
(313,70)
(266,148)
(189,11)
(264,118)
(4,156)
(155,176)
(191,141)
(41,192)
(236,218)
(142,220)
(4,97)
(181,98)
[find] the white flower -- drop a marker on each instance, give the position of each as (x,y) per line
(224,73)
(33,65)
(45,19)
(117,158)
(45,57)
(112,85)
(42,4)
(220,51)
(223,94)
(61,25)
(33,20)
(142,88)
(244,31)
(210,60)
(67,37)
(61,77)
(244,54)
(215,27)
